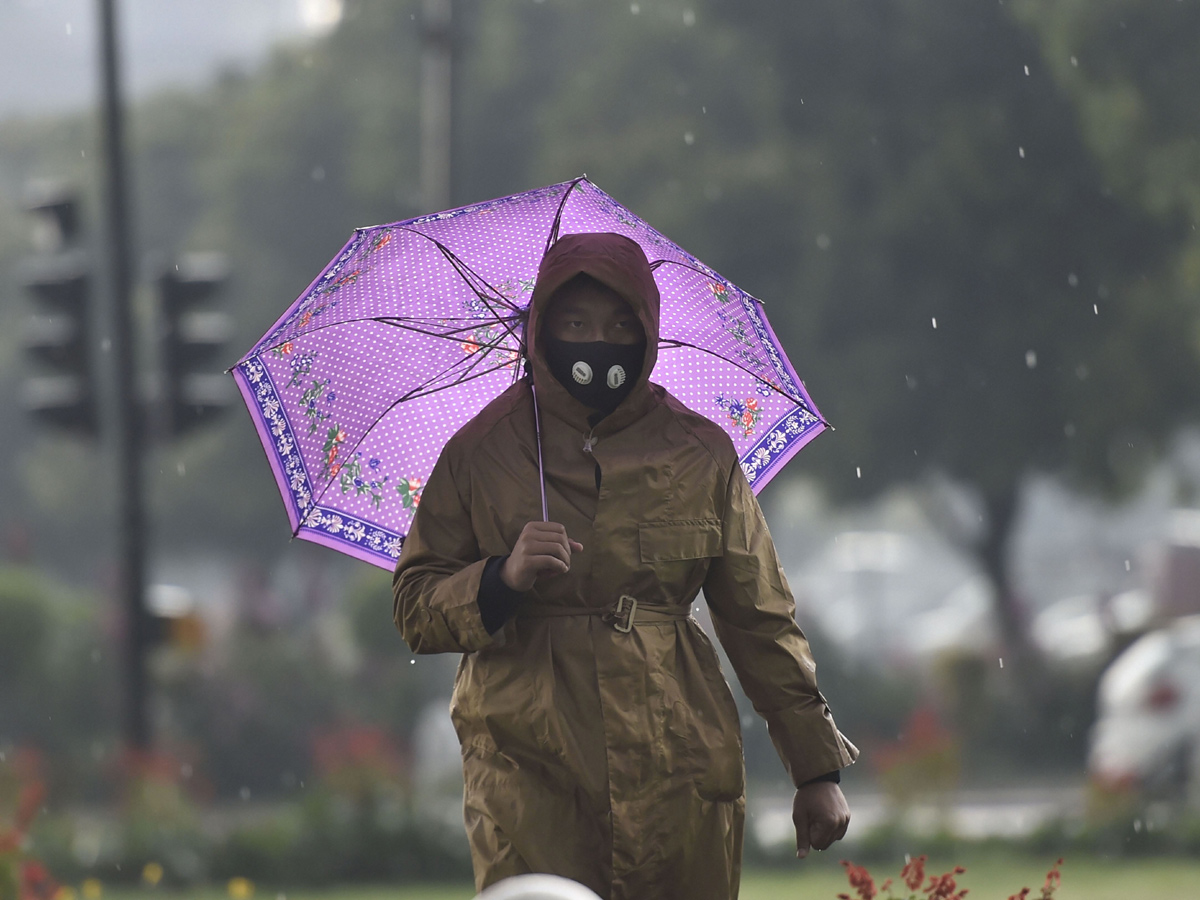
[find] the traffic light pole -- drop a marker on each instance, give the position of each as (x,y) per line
(132,577)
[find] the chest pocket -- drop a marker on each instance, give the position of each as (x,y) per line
(679,540)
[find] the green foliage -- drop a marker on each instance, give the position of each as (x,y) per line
(56,675)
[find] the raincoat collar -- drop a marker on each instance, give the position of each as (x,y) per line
(619,263)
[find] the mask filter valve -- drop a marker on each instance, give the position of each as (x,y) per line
(582,373)
(616,377)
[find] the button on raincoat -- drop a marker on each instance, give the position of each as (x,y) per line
(599,746)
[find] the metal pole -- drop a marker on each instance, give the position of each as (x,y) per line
(436,98)
(131,524)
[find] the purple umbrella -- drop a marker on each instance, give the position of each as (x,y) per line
(415,326)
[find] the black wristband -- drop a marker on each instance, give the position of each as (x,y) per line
(496,600)
(835,776)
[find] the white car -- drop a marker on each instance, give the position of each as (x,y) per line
(1147,732)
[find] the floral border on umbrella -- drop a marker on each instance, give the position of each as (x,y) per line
(335,524)
(774,445)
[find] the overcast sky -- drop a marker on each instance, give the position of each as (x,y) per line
(49,48)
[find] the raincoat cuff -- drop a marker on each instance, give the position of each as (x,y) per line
(496,600)
(809,743)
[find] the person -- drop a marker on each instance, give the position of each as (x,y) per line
(600,741)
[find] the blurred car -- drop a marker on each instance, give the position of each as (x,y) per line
(1147,733)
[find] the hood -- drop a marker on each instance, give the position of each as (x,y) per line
(619,263)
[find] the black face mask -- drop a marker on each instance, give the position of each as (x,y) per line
(596,373)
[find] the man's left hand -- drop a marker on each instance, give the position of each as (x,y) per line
(820,814)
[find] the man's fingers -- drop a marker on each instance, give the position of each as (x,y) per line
(800,820)
(576,547)
(820,836)
(841,832)
(544,547)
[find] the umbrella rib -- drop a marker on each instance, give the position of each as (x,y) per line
(394,321)
(461,268)
(799,401)
(552,237)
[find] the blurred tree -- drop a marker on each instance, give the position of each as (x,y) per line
(973,299)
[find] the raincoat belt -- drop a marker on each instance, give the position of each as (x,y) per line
(622,615)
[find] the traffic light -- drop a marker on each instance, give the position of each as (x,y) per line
(193,341)
(58,337)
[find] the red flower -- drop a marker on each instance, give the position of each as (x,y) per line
(416,500)
(333,452)
(336,467)
(1020,895)
(414,484)
(860,879)
(913,872)
(339,437)
(751,403)
(286,348)
(942,887)
(306,318)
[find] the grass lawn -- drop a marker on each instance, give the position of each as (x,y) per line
(987,877)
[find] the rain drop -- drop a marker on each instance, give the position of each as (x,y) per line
(412,662)
(823,242)
(1073,280)
(181,468)
(1126,565)
(704,110)
(318,173)
(635,8)
(1082,372)
(689,18)
(68,29)
(1069,429)
(185,770)
(689,138)
(934,320)
(858,471)
(1095,309)
(244,793)
(1074,62)
(1031,359)
(1021,152)
(1001,662)
(1027,70)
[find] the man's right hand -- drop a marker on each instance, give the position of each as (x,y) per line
(542,549)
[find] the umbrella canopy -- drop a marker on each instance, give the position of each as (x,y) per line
(415,326)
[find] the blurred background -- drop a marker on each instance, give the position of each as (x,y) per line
(974,229)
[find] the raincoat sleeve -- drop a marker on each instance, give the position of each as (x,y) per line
(754,616)
(437,577)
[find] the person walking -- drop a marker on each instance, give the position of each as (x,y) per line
(600,741)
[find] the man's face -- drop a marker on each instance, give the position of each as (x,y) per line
(584,310)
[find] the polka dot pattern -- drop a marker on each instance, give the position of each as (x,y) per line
(415,326)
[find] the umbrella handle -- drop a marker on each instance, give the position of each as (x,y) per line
(537,427)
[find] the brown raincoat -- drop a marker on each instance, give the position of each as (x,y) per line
(602,752)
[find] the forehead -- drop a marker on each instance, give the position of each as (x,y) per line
(583,294)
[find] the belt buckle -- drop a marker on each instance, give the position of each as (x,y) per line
(624,625)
